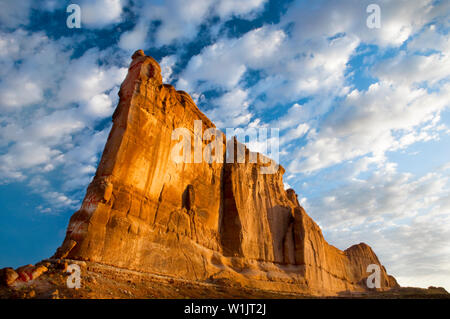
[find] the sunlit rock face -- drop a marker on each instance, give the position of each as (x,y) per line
(223,221)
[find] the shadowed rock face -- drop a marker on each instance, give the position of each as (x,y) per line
(199,221)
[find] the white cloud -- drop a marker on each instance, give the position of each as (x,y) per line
(181,22)
(415,69)
(311,61)
(385,193)
(384,118)
(80,161)
(399,19)
(64,99)
(167,63)
(213,66)
(289,70)
(42,61)
(223,63)
(390,115)
(178,21)
(20,92)
(430,39)
(85,79)
(238,8)
(24,155)
(101,13)
(295,133)
(100,106)
(135,39)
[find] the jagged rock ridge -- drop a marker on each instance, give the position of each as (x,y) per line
(199,221)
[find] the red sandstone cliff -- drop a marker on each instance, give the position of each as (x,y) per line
(199,221)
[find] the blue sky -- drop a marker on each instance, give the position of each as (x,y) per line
(363,113)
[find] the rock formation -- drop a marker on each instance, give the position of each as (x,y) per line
(219,221)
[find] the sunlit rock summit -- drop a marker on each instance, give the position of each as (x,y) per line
(212,222)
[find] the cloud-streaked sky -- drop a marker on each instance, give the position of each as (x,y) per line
(363,113)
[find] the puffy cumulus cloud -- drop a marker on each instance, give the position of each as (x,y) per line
(322,39)
(53,129)
(80,161)
(399,19)
(225,9)
(426,60)
(101,105)
(180,22)
(34,66)
(101,13)
(287,70)
(415,69)
(404,218)
(294,133)
(25,155)
(136,38)
(430,39)
(31,92)
(322,42)
(85,78)
(304,69)
(234,103)
(77,166)
(417,66)
(213,67)
(383,118)
(41,63)
(223,63)
(307,113)
(322,64)
(311,57)
(390,115)
(42,187)
(385,193)
(58,201)
(167,63)
(38,145)
(307,55)
(292,70)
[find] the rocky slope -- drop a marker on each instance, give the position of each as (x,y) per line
(99,281)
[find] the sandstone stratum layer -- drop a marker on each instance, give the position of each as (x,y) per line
(201,222)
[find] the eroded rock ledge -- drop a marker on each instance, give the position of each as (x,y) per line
(199,221)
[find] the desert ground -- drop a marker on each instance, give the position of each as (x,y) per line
(107,282)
